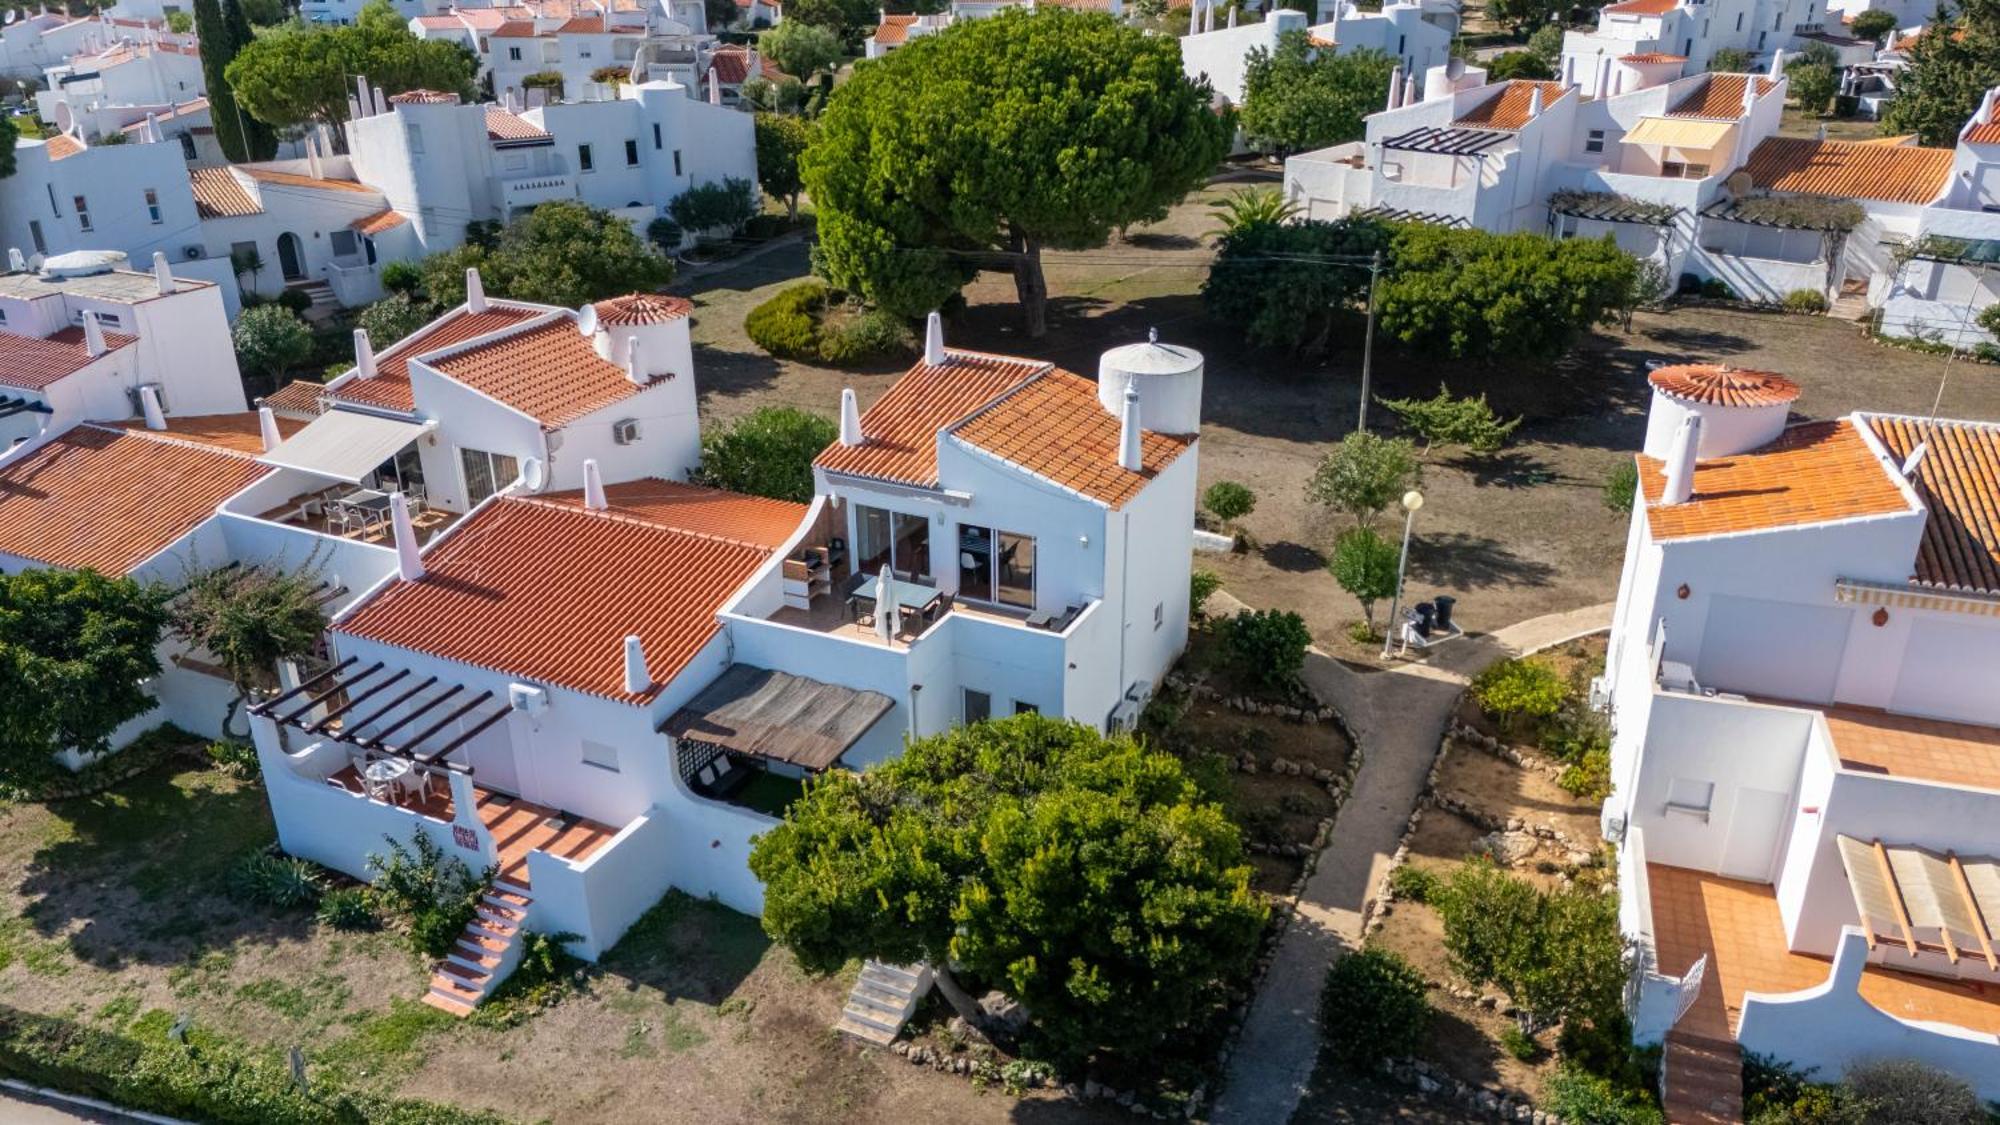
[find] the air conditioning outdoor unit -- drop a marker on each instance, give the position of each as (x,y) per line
(139,404)
(191,253)
(625,431)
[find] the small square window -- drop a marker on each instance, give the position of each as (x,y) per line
(1595,141)
(978,706)
(513,54)
(1691,796)
(631,154)
(1021,708)
(584,162)
(153,206)
(82,208)
(599,755)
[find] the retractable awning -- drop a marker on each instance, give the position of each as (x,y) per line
(344,444)
(1676,132)
(1919,898)
(778,716)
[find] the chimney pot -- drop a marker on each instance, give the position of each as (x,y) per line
(475,291)
(1680,464)
(149,405)
(93,335)
(934,339)
(163,276)
(364,355)
(593,486)
(409,564)
(16,262)
(850,418)
(267,428)
(637,679)
(1130,455)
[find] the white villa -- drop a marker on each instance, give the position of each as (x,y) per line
(1405,30)
(897,29)
(1806,759)
(1690,32)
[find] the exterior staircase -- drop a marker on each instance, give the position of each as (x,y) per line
(1704,1080)
(324,303)
(1852,303)
(883,1000)
(484,954)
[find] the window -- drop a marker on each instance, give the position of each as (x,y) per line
(402,473)
(3,318)
(344,243)
(82,208)
(516,162)
(656,136)
(35,236)
(677,162)
(1016,568)
(485,473)
(1594,142)
(1704,29)
(978,706)
(897,540)
(513,54)
(1021,708)
(187,146)
(1687,48)
(1760,40)
(1739,21)
(599,755)
(242,251)
(631,154)
(416,139)
(1400,40)
(1675,170)
(583,160)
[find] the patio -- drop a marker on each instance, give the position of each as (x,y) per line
(1906,746)
(364,520)
(1736,924)
(830,614)
(518,826)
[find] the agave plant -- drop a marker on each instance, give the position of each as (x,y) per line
(1248,207)
(275,880)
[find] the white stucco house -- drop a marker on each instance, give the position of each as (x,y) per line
(604,681)
(1806,758)
(1692,32)
(1402,30)
(95,89)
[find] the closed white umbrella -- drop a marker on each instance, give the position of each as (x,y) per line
(885,605)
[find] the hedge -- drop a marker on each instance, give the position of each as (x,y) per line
(793,325)
(206,1078)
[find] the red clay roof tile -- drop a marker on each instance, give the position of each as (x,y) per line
(899,432)
(550,373)
(1723,385)
(33,363)
(1053,426)
(1814,473)
(1891,173)
(1959,482)
(390,387)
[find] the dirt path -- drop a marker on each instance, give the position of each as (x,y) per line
(1398,717)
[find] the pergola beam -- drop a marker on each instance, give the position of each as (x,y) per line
(329,693)
(418,740)
(306,685)
(394,703)
(476,730)
(1896,897)
(1981,929)
(375,742)
(356,700)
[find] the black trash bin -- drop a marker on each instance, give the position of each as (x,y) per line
(1423,613)
(1444,602)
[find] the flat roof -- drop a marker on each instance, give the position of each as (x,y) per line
(125,286)
(1870,740)
(1818,472)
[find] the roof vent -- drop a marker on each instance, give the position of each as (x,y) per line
(1681,461)
(934,339)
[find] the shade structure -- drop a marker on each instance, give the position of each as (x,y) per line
(344,444)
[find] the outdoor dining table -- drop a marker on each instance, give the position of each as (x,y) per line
(383,775)
(369,504)
(911,597)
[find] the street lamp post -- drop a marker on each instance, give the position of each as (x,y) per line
(1412,500)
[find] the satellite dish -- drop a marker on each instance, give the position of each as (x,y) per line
(9,17)
(65,117)
(1739,184)
(586,321)
(532,474)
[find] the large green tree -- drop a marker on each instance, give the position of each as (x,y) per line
(258,139)
(1284,284)
(801,48)
(979,147)
(562,253)
(1298,98)
(1952,65)
(74,649)
(299,74)
(1087,876)
(781,139)
(216,51)
(1467,293)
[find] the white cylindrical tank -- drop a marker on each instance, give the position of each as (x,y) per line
(660,323)
(1167,377)
(1740,410)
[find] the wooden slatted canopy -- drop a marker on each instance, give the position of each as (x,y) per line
(1938,901)
(778,716)
(436,719)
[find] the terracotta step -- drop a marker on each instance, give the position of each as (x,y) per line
(879,1036)
(475,950)
(465,975)
(513,900)
(451,1004)
(1704,1081)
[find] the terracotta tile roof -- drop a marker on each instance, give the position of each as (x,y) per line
(1959,482)
(1641,7)
(732,65)
(899,432)
(1723,385)
(550,373)
(583,25)
(33,363)
(218,194)
(111,499)
(515,29)
(424,97)
(548,592)
(1814,473)
(239,432)
(1988,134)
(1899,174)
(300,396)
(642,308)
(1647,58)
(1053,426)
(1898,141)
(378,222)
(893,30)
(490,19)
(1508,109)
(753,521)
(390,387)
(1720,95)
(293,179)
(198,105)
(440,23)
(504,126)
(62,145)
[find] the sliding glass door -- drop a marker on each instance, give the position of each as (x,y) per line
(996,566)
(896,540)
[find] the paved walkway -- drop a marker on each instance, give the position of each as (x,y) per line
(1399,717)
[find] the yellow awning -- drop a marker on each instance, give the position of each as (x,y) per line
(1678,132)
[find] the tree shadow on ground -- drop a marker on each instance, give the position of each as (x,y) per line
(1162,240)
(1699,341)
(1292,558)
(730,374)
(688,948)
(1461,561)
(1509,468)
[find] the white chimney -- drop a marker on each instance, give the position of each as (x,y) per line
(361,93)
(637,679)
(1680,461)
(1410,89)
(475,291)
(1778,63)
(163,277)
(635,366)
(93,335)
(1194,20)
(1395,88)
(149,405)
(381,101)
(312,158)
(1602,85)
(850,418)
(1535,101)
(409,565)
(267,428)
(152,133)
(1749,94)
(934,339)
(593,486)
(364,355)
(1130,455)
(15,261)
(714,88)
(1232,16)
(354,111)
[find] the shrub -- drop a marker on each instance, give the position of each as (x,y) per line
(237,759)
(1365,474)
(402,277)
(1445,420)
(1989,318)
(1805,301)
(269,339)
(296,300)
(1374,1008)
(1688,285)
(1621,486)
(1578,1095)
(1776,1092)
(665,234)
(1519,1044)
(784,325)
(274,880)
(1589,776)
(768,452)
(712,206)
(1267,646)
(392,318)
(1873,24)
(434,894)
(1520,693)
(550,80)
(1716,289)
(347,908)
(1364,564)
(874,334)
(1907,1092)
(1413,884)
(1201,583)
(1228,501)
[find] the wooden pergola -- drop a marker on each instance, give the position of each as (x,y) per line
(357,703)
(1918,889)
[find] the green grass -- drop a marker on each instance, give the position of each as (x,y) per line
(119,1010)
(40,956)
(323,994)
(689,946)
(166,831)
(386,1042)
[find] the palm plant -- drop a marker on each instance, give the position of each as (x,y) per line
(1249,207)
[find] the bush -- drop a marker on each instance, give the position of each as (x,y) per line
(1410,883)
(768,452)
(1805,301)
(665,234)
(805,322)
(1578,1095)
(294,299)
(402,277)
(433,894)
(874,334)
(1989,318)
(1519,1044)
(1589,776)
(1520,694)
(1267,646)
(347,908)
(1201,583)
(712,206)
(269,339)
(1374,1008)
(1776,1092)
(784,325)
(1907,1092)
(274,880)
(1228,501)
(237,759)
(1716,289)
(1621,486)
(391,319)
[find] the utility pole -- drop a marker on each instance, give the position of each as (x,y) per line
(1368,340)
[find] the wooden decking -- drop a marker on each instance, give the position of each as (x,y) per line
(425,524)
(518,826)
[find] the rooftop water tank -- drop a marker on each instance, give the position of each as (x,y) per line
(1740,410)
(1168,378)
(83,263)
